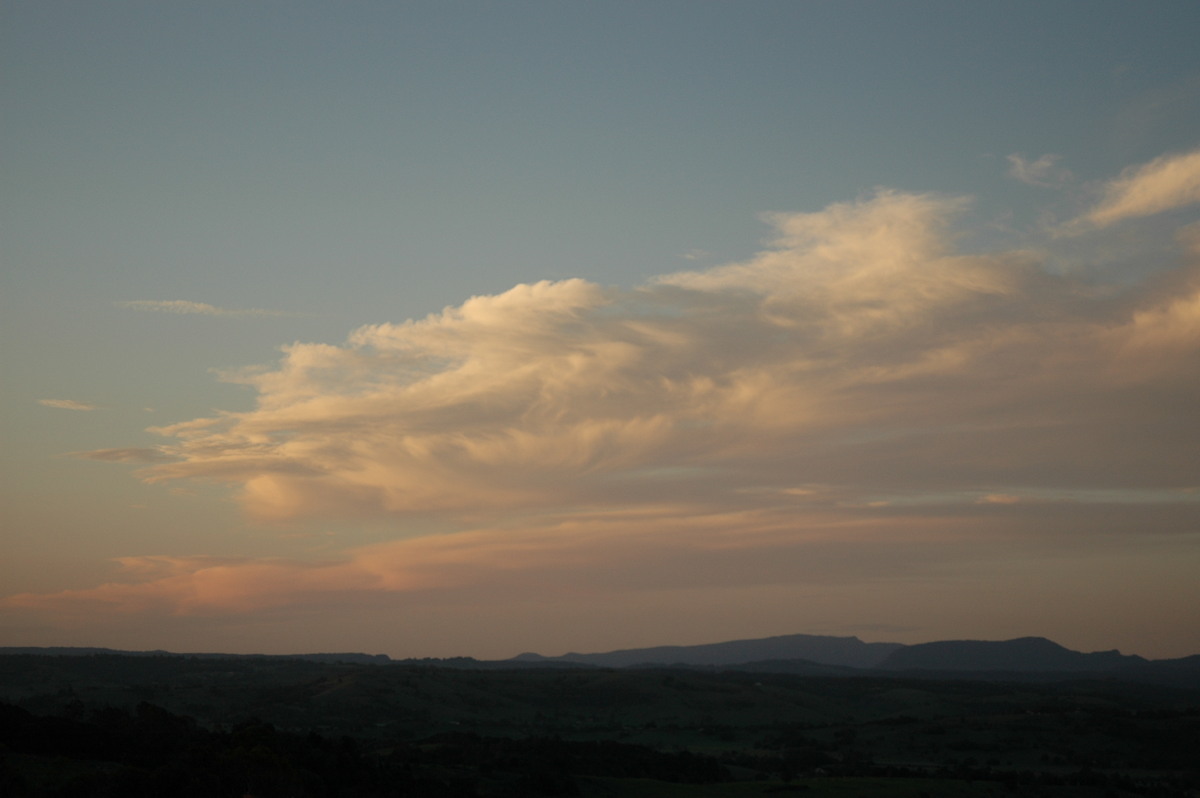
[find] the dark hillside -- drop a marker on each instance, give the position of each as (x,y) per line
(1026,654)
(824,650)
(156,724)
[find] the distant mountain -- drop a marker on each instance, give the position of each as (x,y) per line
(83,651)
(1023,659)
(1181,672)
(1023,655)
(842,651)
(362,659)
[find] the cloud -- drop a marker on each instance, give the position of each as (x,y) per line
(655,550)
(859,401)
(66,404)
(1044,172)
(1164,184)
(182,306)
(999,498)
(585,551)
(859,341)
(126,455)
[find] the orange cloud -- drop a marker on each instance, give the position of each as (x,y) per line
(999,498)
(1164,184)
(860,350)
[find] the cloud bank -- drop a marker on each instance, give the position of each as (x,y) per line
(860,401)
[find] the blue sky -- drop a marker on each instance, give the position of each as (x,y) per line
(291,172)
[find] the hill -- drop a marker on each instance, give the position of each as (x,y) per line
(1023,655)
(824,650)
(1021,659)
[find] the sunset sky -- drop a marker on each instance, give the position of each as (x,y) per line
(450,328)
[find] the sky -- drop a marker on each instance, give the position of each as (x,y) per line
(473,328)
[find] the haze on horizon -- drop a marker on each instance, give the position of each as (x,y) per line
(474,329)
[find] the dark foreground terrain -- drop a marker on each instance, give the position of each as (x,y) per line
(114,725)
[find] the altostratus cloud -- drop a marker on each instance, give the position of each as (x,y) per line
(66,404)
(182,306)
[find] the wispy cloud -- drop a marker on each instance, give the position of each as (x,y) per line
(66,404)
(126,455)
(182,306)
(1044,171)
(998,498)
(655,550)
(1164,184)
(584,550)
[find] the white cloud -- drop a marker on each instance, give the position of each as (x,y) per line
(182,306)
(1164,184)
(66,404)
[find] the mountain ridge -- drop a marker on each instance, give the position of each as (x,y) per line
(1022,654)
(1023,658)
(820,649)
